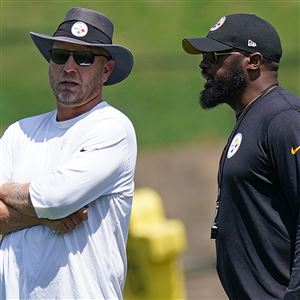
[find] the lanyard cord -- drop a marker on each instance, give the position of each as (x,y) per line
(214,228)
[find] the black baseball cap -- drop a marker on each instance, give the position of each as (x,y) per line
(246,32)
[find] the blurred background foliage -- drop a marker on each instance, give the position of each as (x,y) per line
(161,94)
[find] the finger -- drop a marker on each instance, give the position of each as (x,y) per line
(81,214)
(79,217)
(54,226)
(59,227)
(76,218)
(84,214)
(69,224)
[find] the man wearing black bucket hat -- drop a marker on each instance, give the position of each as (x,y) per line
(257,214)
(66,177)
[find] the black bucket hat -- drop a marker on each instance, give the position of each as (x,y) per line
(246,32)
(87,27)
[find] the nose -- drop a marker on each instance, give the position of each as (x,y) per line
(204,64)
(70,65)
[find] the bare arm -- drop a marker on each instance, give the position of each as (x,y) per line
(17,196)
(17,212)
(13,220)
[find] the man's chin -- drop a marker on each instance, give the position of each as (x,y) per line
(206,104)
(207,99)
(67,99)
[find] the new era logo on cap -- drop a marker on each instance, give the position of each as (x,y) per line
(251,43)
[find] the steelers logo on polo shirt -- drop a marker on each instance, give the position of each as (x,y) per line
(235,145)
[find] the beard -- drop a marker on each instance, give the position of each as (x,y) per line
(76,93)
(223,89)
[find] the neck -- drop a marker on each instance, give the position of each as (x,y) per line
(67,112)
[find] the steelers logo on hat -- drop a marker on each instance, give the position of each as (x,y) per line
(79,29)
(218,24)
(235,145)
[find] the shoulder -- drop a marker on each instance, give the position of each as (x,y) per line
(284,106)
(280,99)
(27,123)
(34,121)
(104,113)
(283,123)
(108,110)
(107,124)
(278,102)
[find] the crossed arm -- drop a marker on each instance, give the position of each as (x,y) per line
(17,211)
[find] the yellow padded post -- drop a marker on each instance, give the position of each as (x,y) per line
(154,248)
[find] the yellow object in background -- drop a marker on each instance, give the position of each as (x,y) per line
(153,250)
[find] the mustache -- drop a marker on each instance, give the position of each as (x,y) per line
(206,75)
(70,77)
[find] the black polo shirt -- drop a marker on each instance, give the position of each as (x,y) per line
(259,179)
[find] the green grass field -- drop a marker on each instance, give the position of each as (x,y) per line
(161,94)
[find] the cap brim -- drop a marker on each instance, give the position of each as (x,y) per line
(200,45)
(121,55)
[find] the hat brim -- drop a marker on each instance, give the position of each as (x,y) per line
(121,55)
(201,45)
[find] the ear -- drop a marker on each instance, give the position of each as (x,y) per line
(107,69)
(255,60)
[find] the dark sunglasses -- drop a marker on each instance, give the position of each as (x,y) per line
(82,58)
(212,57)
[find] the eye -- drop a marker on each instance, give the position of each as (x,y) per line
(84,58)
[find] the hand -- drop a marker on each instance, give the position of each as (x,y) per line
(68,223)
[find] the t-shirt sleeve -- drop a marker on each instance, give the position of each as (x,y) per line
(99,166)
(283,138)
(284,142)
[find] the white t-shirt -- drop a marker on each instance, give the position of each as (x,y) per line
(89,159)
